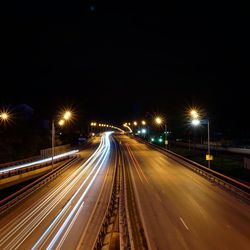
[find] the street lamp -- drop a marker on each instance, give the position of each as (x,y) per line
(126,125)
(194,114)
(144,128)
(92,124)
(61,122)
(66,116)
(159,121)
(4,116)
(196,122)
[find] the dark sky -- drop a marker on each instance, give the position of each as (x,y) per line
(116,61)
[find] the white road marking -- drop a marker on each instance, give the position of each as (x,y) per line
(183,222)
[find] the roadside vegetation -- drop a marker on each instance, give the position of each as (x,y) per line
(228,164)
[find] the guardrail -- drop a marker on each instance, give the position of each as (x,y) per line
(235,186)
(110,211)
(18,196)
(21,168)
(126,241)
(242,151)
(19,162)
(39,157)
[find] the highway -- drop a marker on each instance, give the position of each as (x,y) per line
(180,209)
(67,212)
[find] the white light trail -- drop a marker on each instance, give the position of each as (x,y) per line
(77,207)
(4,170)
(30,219)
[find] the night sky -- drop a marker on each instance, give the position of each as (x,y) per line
(117,61)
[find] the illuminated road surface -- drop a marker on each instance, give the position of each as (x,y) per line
(182,210)
(57,215)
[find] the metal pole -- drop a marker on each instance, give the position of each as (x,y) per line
(53,144)
(208,142)
(166,137)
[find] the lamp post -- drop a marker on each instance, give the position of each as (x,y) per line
(159,121)
(134,126)
(144,128)
(195,122)
(66,116)
(126,125)
(92,124)
(208,143)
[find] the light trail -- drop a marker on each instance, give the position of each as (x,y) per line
(4,170)
(31,218)
(76,210)
(60,190)
(79,203)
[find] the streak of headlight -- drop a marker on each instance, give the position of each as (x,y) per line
(103,157)
(79,173)
(77,206)
(37,162)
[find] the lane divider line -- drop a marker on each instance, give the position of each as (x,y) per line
(183,222)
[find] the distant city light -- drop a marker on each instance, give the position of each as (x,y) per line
(143,131)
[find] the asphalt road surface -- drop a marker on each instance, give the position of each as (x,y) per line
(179,208)
(61,214)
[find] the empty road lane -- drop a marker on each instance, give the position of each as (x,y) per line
(179,208)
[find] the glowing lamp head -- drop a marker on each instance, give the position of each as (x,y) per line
(143,123)
(4,116)
(195,122)
(194,114)
(158,120)
(135,123)
(61,122)
(67,115)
